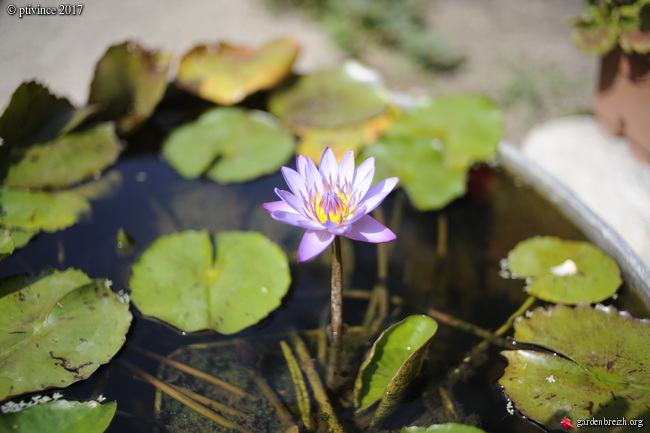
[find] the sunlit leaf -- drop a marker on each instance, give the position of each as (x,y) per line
(33,211)
(229,145)
(444,428)
(66,160)
(57,330)
(342,96)
(60,416)
(392,363)
(418,162)
(563,271)
(180,280)
(602,376)
(129,82)
(226,74)
(11,240)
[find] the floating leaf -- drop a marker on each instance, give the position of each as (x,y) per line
(33,211)
(57,330)
(604,374)
(563,271)
(60,416)
(392,363)
(343,96)
(226,74)
(180,280)
(11,240)
(129,82)
(444,428)
(419,164)
(229,145)
(66,160)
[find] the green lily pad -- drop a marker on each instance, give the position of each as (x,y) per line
(10,240)
(57,330)
(229,145)
(603,374)
(563,271)
(346,95)
(226,74)
(129,82)
(180,280)
(34,211)
(66,160)
(391,365)
(419,164)
(60,416)
(444,428)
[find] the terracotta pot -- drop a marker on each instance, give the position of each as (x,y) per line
(623,101)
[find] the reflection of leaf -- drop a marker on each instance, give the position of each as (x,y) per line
(60,416)
(444,428)
(604,375)
(66,160)
(33,211)
(58,330)
(226,74)
(181,281)
(229,145)
(129,82)
(567,272)
(392,363)
(343,96)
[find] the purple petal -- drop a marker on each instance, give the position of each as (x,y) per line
(368,229)
(295,182)
(313,243)
(328,166)
(363,177)
(295,219)
(313,178)
(346,169)
(274,206)
(377,194)
(292,201)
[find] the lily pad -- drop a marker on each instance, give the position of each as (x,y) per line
(419,164)
(229,145)
(11,240)
(391,365)
(129,82)
(444,428)
(67,160)
(602,373)
(57,330)
(60,416)
(347,95)
(226,74)
(34,211)
(180,280)
(564,271)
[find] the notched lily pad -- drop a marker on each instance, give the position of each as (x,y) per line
(129,82)
(564,271)
(444,428)
(57,330)
(60,416)
(180,279)
(391,365)
(604,372)
(342,96)
(229,145)
(226,74)
(67,160)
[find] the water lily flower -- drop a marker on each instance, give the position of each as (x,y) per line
(332,200)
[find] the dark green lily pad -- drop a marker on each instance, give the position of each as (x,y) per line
(60,416)
(419,164)
(564,271)
(444,428)
(226,74)
(57,330)
(129,82)
(229,145)
(391,365)
(180,280)
(604,374)
(34,211)
(66,160)
(347,95)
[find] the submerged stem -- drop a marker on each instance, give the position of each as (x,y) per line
(336,337)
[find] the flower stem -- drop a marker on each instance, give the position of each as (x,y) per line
(334,357)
